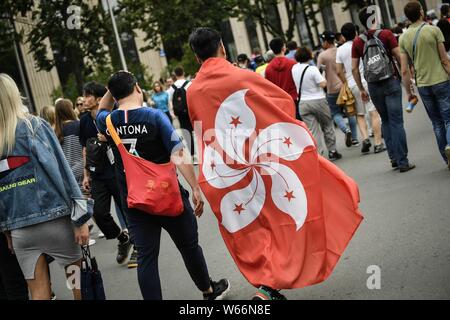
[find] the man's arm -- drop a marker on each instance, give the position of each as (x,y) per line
(397,55)
(107,102)
(357,76)
(406,74)
(340,72)
(86,177)
(444,58)
(183,161)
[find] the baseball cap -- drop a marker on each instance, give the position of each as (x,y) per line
(328,36)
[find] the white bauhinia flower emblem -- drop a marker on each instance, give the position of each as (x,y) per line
(234,124)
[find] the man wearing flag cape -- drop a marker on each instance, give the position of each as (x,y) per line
(285,213)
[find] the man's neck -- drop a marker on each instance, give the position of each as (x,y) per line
(279,55)
(94,112)
(181,78)
(131,104)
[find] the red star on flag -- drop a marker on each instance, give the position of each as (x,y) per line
(287,141)
(289,195)
(239,208)
(235,121)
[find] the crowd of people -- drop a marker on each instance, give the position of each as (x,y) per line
(49,162)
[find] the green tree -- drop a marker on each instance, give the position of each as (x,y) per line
(170,22)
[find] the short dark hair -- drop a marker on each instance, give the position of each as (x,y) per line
(121,84)
(205,42)
(276,45)
(348,30)
(242,57)
(412,11)
(94,89)
(303,55)
(179,71)
(444,9)
(292,45)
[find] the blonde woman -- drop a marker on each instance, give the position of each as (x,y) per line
(48,114)
(42,210)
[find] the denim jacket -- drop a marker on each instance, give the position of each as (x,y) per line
(42,189)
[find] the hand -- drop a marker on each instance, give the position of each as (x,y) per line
(82,235)
(101,137)
(9,240)
(365,96)
(86,183)
(198,202)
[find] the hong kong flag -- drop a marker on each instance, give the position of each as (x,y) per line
(285,213)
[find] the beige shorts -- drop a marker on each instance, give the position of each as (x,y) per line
(361,107)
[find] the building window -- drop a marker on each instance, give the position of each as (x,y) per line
(228,40)
(328,18)
(252,34)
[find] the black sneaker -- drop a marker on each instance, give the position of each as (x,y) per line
(123,250)
(366,146)
(348,139)
(394,164)
(409,167)
(219,290)
(266,293)
(380,148)
(355,143)
(133,262)
(334,155)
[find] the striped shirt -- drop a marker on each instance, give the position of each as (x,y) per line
(72,148)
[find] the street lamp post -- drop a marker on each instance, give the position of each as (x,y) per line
(116,33)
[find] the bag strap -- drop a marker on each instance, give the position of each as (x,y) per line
(174,87)
(414,47)
(301,83)
(112,131)
(184,84)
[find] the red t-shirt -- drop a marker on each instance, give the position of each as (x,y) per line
(386,37)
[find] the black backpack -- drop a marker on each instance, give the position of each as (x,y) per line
(179,100)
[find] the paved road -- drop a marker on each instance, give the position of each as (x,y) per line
(406,232)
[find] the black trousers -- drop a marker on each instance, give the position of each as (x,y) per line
(102,191)
(185,123)
(12,283)
(145,231)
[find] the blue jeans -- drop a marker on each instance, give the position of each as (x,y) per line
(437,103)
(338,116)
(387,97)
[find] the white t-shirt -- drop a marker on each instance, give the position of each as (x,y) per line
(344,56)
(310,87)
(178,84)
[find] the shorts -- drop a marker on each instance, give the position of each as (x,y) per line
(55,238)
(361,107)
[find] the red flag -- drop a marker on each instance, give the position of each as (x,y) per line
(285,213)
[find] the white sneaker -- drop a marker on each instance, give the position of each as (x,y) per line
(92,242)
(101,235)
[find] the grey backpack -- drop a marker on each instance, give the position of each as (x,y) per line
(377,62)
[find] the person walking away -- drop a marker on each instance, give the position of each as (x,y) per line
(292,49)
(67,129)
(267,58)
(160,99)
(314,108)
(99,176)
(377,48)
(12,283)
(177,95)
(444,25)
(279,70)
(44,212)
(344,69)
(243,61)
(48,114)
(327,61)
(155,140)
(424,45)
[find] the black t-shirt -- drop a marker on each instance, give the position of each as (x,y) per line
(444,25)
(89,130)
